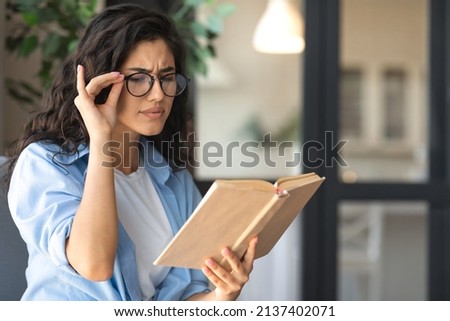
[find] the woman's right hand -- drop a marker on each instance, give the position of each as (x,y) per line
(99,119)
(92,244)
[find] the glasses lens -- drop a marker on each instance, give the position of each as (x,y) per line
(174,84)
(139,84)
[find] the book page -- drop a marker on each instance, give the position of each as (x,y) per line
(290,182)
(242,184)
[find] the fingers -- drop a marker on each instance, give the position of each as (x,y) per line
(81,84)
(100,119)
(114,94)
(244,264)
(227,282)
(227,287)
(98,83)
(83,98)
(214,272)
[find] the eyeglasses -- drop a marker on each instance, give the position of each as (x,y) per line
(140,83)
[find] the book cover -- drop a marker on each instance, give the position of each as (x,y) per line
(232,212)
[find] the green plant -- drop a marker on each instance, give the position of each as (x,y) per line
(49,27)
(200,30)
(52,29)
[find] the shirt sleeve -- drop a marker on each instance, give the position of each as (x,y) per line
(43,198)
(180,284)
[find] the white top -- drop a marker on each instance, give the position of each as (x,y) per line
(142,214)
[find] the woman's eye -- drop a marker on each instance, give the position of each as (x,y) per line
(168,78)
(138,78)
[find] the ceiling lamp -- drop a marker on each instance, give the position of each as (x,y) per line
(280,29)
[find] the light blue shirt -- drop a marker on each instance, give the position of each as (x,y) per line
(45,192)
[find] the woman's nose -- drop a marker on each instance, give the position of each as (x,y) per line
(156,92)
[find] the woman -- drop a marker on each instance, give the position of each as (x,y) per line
(95,194)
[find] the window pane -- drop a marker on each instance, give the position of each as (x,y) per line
(382,251)
(383,90)
(394,104)
(351,103)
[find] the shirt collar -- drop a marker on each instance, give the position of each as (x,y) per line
(155,163)
(63,157)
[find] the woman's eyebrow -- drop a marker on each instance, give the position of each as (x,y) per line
(138,69)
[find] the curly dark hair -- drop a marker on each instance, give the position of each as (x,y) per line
(107,42)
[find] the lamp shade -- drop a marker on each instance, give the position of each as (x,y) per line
(280,29)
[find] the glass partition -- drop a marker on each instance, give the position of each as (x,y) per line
(383,90)
(382,251)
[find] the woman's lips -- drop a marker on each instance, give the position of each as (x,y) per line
(153,113)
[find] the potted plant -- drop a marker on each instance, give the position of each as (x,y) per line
(52,28)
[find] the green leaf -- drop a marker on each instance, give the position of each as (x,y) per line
(28,45)
(194,3)
(212,50)
(30,3)
(225,9)
(198,29)
(72,45)
(206,52)
(85,13)
(69,5)
(92,4)
(51,45)
(215,24)
(196,66)
(48,14)
(27,5)
(30,18)
(45,73)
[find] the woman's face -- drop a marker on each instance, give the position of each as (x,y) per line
(145,115)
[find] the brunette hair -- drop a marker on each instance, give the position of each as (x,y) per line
(107,42)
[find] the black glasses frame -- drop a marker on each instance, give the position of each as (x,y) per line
(160,79)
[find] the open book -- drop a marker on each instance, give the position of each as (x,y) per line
(232,212)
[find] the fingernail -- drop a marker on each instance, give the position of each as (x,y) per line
(206,271)
(226,252)
(210,262)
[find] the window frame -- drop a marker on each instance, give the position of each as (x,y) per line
(321,81)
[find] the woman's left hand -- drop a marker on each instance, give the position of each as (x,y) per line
(228,285)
